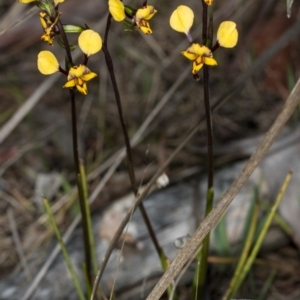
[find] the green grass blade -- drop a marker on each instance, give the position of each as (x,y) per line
(64,251)
(245,251)
(262,234)
(266,287)
(89,220)
(201,259)
(221,239)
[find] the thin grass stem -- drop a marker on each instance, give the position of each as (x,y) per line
(245,252)
(64,251)
(261,236)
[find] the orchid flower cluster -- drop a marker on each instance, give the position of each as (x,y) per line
(227,36)
(89,42)
(137,18)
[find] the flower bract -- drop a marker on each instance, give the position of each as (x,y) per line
(142,16)
(47,63)
(117,10)
(77,77)
(200,55)
(182,19)
(227,34)
(90,42)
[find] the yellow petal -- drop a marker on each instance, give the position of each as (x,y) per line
(58,1)
(199,50)
(145,27)
(76,72)
(89,76)
(26,1)
(209,2)
(145,13)
(189,55)
(197,66)
(82,88)
(90,42)
(70,84)
(210,61)
(116,8)
(47,63)
(227,34)
(182,19)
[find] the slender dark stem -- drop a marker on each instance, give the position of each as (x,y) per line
(110,68)
(204,22)
(201,270)
(86,239)
(209,128)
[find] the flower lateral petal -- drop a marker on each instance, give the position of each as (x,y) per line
(90,42)
(47,63)
(117,10)
(227,34)
(182,19)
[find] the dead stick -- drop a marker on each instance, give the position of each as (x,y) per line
(213,218)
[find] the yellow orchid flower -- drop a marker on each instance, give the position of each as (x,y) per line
(200,55)
(142,16)
(49,27)
(56,2)
(227,34)
(182,19)
(117,10)
(89,42)
(209,2)
(77,77)
(47,63)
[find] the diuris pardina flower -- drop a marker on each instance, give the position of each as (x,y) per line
(139,17)
(77,77)
(182,20)
(200,55)
(90,43)
(49,27)
(142,16)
